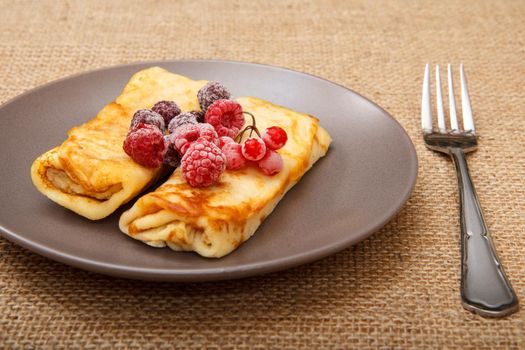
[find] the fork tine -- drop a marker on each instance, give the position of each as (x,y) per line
(439,101)
(426,110)
(452,102)
(468,119)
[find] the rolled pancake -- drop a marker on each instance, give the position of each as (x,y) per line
(90,173)
(214,221)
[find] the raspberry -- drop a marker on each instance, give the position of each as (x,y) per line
(211,92)
(167,109)
(272,163)
(234,158)
(203,164)
(145,145)
(181,119)
(171,156)
(188,133)
(147,116)
(226,117)
(253,149)
(275,137)
(223,140)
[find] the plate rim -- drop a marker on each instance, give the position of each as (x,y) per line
(216,273)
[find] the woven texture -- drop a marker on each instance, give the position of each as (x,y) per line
(399,288)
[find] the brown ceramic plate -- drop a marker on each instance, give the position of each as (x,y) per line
(365,179)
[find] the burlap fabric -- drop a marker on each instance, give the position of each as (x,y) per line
(398,289)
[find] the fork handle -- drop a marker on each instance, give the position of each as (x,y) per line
(484,287)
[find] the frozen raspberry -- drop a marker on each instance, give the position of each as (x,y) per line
(188,133)
(171,156)
(203,164)
(272,163)
(275,137)
(226,117)
(212,92)
(253,149)
(167,109)
(223,140)
(145,145)
(147,116)
(181,119)
(234,158)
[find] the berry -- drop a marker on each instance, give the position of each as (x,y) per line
(253,149)
(203,164)
(145,145)
(234,158)
(211,92)
(167,109)
(275,137)
(171,156)
(223,140)
(226,117)
(188,133)
(181,119)
(272,163)
(199,115)
(147,116)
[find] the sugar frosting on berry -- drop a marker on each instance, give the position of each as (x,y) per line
(226,117)
(234,158)
(181,119)
(147,116)
(184,136)
(211,92)
(167,110)
(203,164)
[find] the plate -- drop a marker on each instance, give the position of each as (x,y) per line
(365,179)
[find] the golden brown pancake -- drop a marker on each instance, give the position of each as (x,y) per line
(90,173)
(213,221)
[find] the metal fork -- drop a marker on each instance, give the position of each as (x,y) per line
(484,287)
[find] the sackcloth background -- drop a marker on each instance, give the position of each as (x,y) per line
(396,290)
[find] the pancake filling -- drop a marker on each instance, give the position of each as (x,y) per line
(60,180)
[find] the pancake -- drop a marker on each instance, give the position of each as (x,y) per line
(90,173)
(214,221)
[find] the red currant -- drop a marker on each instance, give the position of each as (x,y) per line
(224,140)
(234,158)
(275,137)
(253,149)
(272,163)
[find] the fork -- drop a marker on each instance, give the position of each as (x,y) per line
(484,287)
